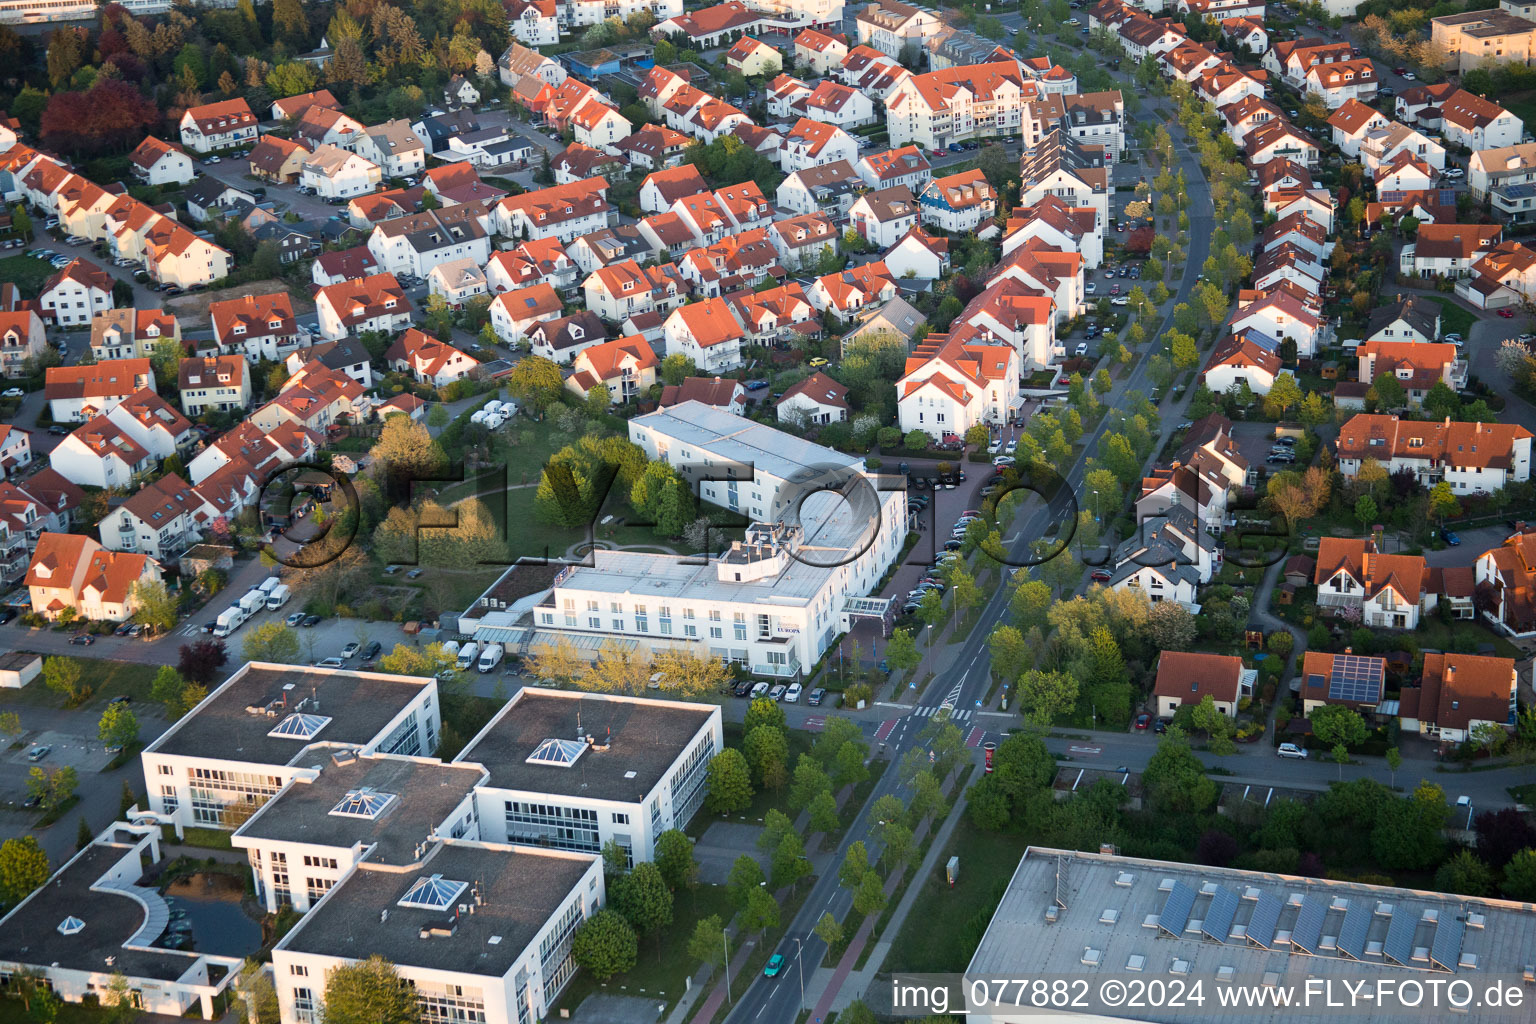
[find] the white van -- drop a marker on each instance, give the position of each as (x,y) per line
(451,648)
(268,585)
(492,406)
(491,657)
(467,655)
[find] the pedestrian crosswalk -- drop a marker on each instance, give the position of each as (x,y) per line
(928,711)
(190,629)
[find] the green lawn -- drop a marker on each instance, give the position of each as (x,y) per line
(25,273)
(105,678)
(945,925)
(663,962)
(1454,319)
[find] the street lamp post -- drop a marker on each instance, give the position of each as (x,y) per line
(800,970)
(725,941)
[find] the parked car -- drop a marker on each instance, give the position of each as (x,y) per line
(756,385)
(82,639)
(38,753)
(1507,314)
(329,663)
(14,393)
(1291,750)
(372,650)
(1101,575)
(310,620)
(1143,721)
(815,699)
(6,615)
(350,651)
(792,695)
(293,620)
(121,698)
(776,692)
(759,690)
(1450,538)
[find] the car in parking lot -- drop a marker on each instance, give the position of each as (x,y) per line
(414,574)
(756,385)
(38,753)
(82,639)
(329,663)
(1450,538)
(776,692)
(310,620)
(792,695)
(350,651)
(1090,287)
(1507,314)
(1455,172)
(1290,750)
(1143,721)
(295,619)
(372,650)
(816,697)
(1082,349)
(14,393)
(1101,575)
(121,698)
(6,615)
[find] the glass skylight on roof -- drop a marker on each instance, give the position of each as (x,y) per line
(559,753)
(363,803)
(70,925)
(300,727)
(435,893)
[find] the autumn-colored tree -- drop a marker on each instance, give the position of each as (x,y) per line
(111,116)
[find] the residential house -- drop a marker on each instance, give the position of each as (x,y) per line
(343,265)
(1474,458)
(15,450)
(1278,140)
(278,160)
(579,161)
(293,107)
(1415,366)
(1283,317)
(1345,80)
(322,126)
(335,173)
(752,58)
(1059,226)
(460,92)
(373,303)
(811,143)
(815,401)
(819,51)
(1478,123)
(74,295)
(846,292)
(99,453)
(620,290)
(71,571)
(159,163)
(775,316)
(208,198)
(1414,319)
(153,424)
(416,243)
(653,147)
(940,108)
(706,332)
(211,383)
(395,147)
(77,393)
(954,381)
(625,366)
(1188,677)
(215,126)
(1461,697)
(560,211)
(720,392)
(428,360)
(828,188)
(896,29)
(832,103)
(1506,276)
(803,241)
(917,255)
(1078,175)
(456,281)
(1169,558)
(1381,148)
(1388,590)
(161,520)
(902,166)
(883,217)
(959,203)
(1350,124)
(1448,250)
(1245,357)
(1200,491)
(260,326)
(563,338)
(662,188)
(532,262)
(459,183)
(601,127)
(1473,39)
(519,60)
(1346,680)
(22,337)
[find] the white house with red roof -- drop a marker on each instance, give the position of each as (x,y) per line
(22,336)
(100,454)
(662,188)
(625,366)
(1345,80)
(786,96)
(819,51)
(751,57)
(706,332)
(959,203)
(15,449)
(811,143)
(1351,122)
(153,423)
(71,571)
(156,162)
(73,296)
(1477,122)
(1380,147)
(539,261)
(905,165)
(161,520)
(221,125)
(258,326)
(1283,317)
(884,216)
(775,315)
(1012,313)
(919,255)
(623,289)
(846,292)
(1247,31)
(815,401)
(77,393)
(836,104)
(801,241)
(1242,358)
(957,103)
(559,211)
(373,303)
(514,312)
(601,127)
(428,360)
(950,384)
(214,382)
(1059,226)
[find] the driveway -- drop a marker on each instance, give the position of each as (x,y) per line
(1254,440)
(1473,543)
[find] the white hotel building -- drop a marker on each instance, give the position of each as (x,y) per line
(480,931)
(823,534)
(573,771)
(268,723)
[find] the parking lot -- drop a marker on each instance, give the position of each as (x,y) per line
(1255,440)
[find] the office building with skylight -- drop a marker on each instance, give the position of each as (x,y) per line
(267,723)
(481,931)
(571,771)
(383,807)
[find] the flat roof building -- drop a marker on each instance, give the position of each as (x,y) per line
(93,919)
(1095,916)
(482,932)
(573,771)
(267,722)
(324,820)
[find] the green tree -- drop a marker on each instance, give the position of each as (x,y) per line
(1394,763)
(823,811)
(290,78)
(536,382)
(901,651)
(605,944)
(643,898)
(869,897)
(764,711)
(1442,502)
(708,942)
(117,1000)
(1029,603)
(746,876)
(761,912)
(10,725)
(167,687)
(829,930)
(729,782)
(767,752)
(1174,778)
(272,642)
(1388,392)
(118,728)
(810,778)
(1334,724)
(1465,875)
(677,367)
(1284,393)
(1214,723)
(1366,510)
(776,825)
(790,863)
(1045,695)
(23,868)
(156,606)
(854,867)
(62,675)
(1519,877)
(675,859)
(369,991)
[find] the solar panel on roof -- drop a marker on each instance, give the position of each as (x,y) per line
(1266,914)
(1355,678)
(1399,944)
(1309,925)
(1218,917)
(1357,922)
(1175,915)
(1445,952)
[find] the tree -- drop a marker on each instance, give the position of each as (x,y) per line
(1045,695)
(117,1000)
(1387,391)
(1030,601)
(1283,394)
(901,651)
(1171,627)
(605,944)
(729,782)
(764,711)
(291,78)
(1334,724)
(708,942)
(1214,723)
(1442,502)
(823,812)
(1394,762)
(854,867)
(761,912)
(810,778)
(676,368)
(675,860)
(407,453)
(746,875)
(643,898)
(272,641)
(869,897)
(62,675)
(118,728)
(1174,778)
(200,661)
(1010,655)
(1519,877)
(23,868)
(829,930)
(767,752)
(156,607)
(10,725)
(431,660)
(790,863)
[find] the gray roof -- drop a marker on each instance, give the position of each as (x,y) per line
(644,737)
(1165,913)
(520,888)
(359,704)
(1420,313)
(337,355)
(206,190)
(424,794)
(1161,546)
(735,439)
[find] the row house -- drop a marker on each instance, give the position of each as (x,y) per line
(1013,314)
(214,383)
(71,571)
(1505,276)
(1247,114)
(416,243)
(348,357)
(1474,458)
(904,165)
(950,385)
(560,211)
(1078,175)
(737,261)
(215,126)
(652,147)
(620,290)
(1291,60)
(373,303)
(1389,591)
(313,399)
(161,520)
(99,453)
(1352,122)
(775,316)
(661,188)
(626,367)
(706,332)
(249,451)
(77,393)
(261,327)
(43,503)
(830,188)
(1336,83)
(1049,272)
(277,160)
(1417,367)
(154,424)
(1284,317)
(22,338)
(155,162)
(1279,140)
(1290,268)
(896,29)
(804,240)
(563,338)
(846,292)
(956,104)
(1202,493)
(884,216)
(810,144)
(1058,224)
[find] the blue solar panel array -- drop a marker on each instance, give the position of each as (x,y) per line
(1357,922)
(1218,917)
(1309,925)
(1446,951)
(1266,914)
(1355,678)
(1399,944)
(1175,915)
